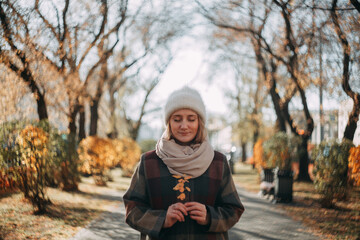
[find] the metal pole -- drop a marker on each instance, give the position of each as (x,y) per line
(321,112)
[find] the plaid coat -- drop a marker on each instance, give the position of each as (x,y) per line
(151,193)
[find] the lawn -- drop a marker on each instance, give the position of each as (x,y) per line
(67,215)
(72,211)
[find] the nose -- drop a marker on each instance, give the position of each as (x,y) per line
(183,125)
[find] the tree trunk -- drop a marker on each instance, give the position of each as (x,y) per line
(271,83)
(82,133)
(72,120)
(256,131)
(356,4)
(25,73)
(292,65)
(39,97)
(353,120)
(243,152)
(41,108)
(254,114)
(94,116)
(302,148)
(354,114)
(113,130)
(276,99)
(280,124)
(303,161)
(94,106)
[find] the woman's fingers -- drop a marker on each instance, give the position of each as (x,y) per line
(178,211)
(174,214)
(180,207)
(197,212)
(198,219)
(194,206)
(178,215)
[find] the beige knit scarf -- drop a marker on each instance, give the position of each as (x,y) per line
(191,160)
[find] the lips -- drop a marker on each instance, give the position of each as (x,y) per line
(184,134)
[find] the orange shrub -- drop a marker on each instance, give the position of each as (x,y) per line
(7,182)
(259,158)
(128,152)
(354,165)
(33,144)
(97,155)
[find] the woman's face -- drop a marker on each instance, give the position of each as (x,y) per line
(184,124)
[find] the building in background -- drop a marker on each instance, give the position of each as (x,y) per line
(333,123)
(329,126)
(220,134)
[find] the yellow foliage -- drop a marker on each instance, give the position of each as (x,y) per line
(128,153)
(96,155)
(33,142)
(354,165)
(99,154)
(259,158)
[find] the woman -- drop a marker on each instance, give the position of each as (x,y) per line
(183,189)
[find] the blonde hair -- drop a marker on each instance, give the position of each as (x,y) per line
(199,137)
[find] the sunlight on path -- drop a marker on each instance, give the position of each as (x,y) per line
(110,225)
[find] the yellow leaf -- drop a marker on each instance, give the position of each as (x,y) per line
(181,196)
(179,186)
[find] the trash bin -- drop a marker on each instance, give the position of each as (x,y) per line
(283,181)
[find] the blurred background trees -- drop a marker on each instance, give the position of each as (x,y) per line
(69,54)
(298,47)
(90,68)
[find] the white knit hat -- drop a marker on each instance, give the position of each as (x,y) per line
(184,98)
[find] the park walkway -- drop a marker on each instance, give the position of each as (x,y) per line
(261,220)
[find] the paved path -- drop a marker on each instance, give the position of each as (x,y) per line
(261,220)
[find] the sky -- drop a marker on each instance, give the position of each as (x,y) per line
(189,69)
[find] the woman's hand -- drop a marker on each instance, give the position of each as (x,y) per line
(197,212)
(175,213)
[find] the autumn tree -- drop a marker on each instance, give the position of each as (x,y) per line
(136,76)
(76,39)
(63,42)
(14,33)
(243,90)
(75,44)
(147,87)
(280,51)
(346,62)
